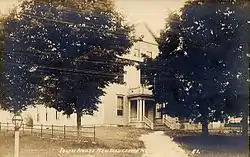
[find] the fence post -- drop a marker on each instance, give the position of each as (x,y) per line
(23,129)
(41,130)
(77,133)
(64,131)
(7,127)
(94,132)
(52,130)
(31,129)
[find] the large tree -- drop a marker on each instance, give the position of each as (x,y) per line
(2,36)
(202,68)
(68,52)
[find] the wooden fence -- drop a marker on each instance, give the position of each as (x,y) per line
(224,129)
(53,131)
(213,128)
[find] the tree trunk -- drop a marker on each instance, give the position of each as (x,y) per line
(245,127)
(204,126)
(79,122)
(245,124)
(245,120)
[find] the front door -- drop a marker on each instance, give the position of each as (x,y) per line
(157,112)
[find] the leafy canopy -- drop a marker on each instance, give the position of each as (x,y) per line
(202,67)
(63,54)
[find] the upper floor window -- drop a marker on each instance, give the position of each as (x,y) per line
(120,103)
(137,52)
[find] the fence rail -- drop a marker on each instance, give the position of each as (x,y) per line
(53,131)
(198,127)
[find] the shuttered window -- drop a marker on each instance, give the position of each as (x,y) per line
(120,104)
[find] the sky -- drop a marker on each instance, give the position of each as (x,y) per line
(153,12)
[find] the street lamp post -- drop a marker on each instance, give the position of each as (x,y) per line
(17,120)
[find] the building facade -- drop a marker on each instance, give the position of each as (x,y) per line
(128,104)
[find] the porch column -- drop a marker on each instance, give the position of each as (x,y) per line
(138,110)
(163,116)
(129,111)
(143,112)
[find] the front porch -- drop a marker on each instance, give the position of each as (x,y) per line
(143,111)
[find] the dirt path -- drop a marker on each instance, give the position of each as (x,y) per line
(160,145)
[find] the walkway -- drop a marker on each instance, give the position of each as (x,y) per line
(160,145)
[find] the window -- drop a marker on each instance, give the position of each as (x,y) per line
(57,115)
(120,103)
(137,52)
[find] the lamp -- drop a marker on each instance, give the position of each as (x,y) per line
(17,120)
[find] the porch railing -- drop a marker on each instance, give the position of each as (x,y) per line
(170,124)
(148,122)
(140,90)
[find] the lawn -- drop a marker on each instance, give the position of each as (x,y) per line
(213,146)
(106,138)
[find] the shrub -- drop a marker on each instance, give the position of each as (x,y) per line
(28,120)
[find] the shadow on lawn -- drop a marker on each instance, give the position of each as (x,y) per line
(213,145)
(213,142)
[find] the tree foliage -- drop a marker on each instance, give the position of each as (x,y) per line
(202,67)
(2,37)
(63,54)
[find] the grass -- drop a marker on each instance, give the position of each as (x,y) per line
(121,137)
(215,145)
(106,138)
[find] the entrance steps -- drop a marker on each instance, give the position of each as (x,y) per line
(160,126)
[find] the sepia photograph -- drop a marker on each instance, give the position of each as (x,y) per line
(124,78)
